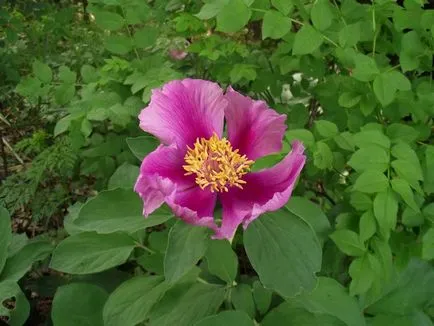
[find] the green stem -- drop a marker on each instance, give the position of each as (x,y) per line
(138,244)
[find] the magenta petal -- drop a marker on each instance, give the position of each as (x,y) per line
(253,128)
(264,191)
(162,180)
(184,110)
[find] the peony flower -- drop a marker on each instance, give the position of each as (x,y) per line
(196,165)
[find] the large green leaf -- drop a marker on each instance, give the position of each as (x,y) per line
(125,176)
(17,316)
(42,71)
(78,304)
(386,210)
(227,318)
(307,40)
(109,20)
(312,214)
(331,298)
(284,251)
(185,304)
(321,14)
(371,181)
(412,289)
(242,299)
(20,263)
(370,158)
(131,302)
(117,210)
(89,252)
(5,236)
(222,260)
(348,242)
(187,244)
(233,16)
(275,25)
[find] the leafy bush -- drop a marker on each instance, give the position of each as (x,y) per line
(353,246)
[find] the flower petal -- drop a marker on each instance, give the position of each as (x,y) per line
(184,110)
(253,128)
(264,191)
(162,180)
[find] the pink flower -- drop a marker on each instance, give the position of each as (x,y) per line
(195,166)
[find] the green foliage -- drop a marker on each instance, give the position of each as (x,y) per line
(354,245)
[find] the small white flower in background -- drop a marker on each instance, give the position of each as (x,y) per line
(286,93)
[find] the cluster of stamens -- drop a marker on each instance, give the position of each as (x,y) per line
(216,164)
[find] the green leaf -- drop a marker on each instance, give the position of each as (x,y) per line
(78,304)
(360,201)
(361,274)
(242,299)
(233,16)
(404,152)
(117,210)
(262,297)
(17,316)
(211,9)
(118,44)
(429,173)
(222,260)
(321,15)
(345,141)
(349,99)
(89,252)
(331,298)
(371,182)
(89,74)
(288,313)
(403,189)
(428,245)
(5,236)
(125,176)
(323,156)
(369,158)
(240,71)
(145,37)
(186,304)
(64,93)
(366,68)
(416,318)
(368,138)
(398,80)
(303,135)
(348,242)
(284,6)
(367,225)
(132,301)
(349,35)
(326,129)
(406,170)
(383,90)
(42,71)
(67,75)
(307,40)
(141,146)
(284,251)
(400,132)
(20,263)
(109,20)
(275,25)
(311,214)
(187,244)
(386,210)
(410,290)
(227,318)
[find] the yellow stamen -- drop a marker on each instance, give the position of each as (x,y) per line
(216,164)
